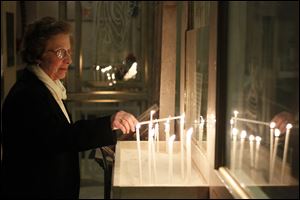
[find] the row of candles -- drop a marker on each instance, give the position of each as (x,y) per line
(274,138)
(105,74)
(153,146)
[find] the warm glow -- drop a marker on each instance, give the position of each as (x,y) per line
(258,139)
(251,138)
(277,132)
(235,113)
(235,131)
(272,125)
(172,138)
(105,69)
(289,126)
(189,134)
(243,134)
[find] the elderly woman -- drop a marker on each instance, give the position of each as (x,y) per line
(40,142)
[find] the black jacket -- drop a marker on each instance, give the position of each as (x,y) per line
(40,147)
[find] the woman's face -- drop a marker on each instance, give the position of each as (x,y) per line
(56,58)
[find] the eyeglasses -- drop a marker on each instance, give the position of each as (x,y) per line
(61,53)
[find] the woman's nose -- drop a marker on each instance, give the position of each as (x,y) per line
(68,59)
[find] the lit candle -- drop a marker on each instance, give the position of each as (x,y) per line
(251,138)
(171,141)
(150,152)
(151,115)
(181,143)
(139,149)
(243,136)
(257,139)
(274,154)
(153,154)
(233,155)
(286,147)
(188,152)
(167,132)
(272,126)
(231,125)
(156,130)
(235,117)
(150,124)
(97,72)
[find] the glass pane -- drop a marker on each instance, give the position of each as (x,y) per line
(263,78)
(115,43)
(197,72)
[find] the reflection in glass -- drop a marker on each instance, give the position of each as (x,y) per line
(197,72)
(263,78)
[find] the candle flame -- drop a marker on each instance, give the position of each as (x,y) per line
(272,125)
(172,138)
(235,113)
(182,118)
(277,132)
(152,112)
(243,134)
(189,133)
(138,126)
(251,138)
(235,131)
(258,139)
(289,126)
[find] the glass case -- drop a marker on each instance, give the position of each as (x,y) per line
(197,72)
(262,111)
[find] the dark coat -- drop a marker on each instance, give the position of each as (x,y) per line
(40,147)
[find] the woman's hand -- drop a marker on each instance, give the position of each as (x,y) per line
(124,121)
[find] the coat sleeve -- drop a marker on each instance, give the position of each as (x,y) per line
(31,123)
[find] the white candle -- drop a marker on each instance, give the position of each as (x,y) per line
(272,126)
(139,150)
(234,138)
(243,136)
(188,152)
(251,138)
(151,115)
(233,155)
(274,154)
(257,139)
(150,152)
(171,141)
(286,147)
(150,123)
(156,133)
(181,144)
(231,125)
(153,154)
(235,116)
(97,72)
(167,132)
